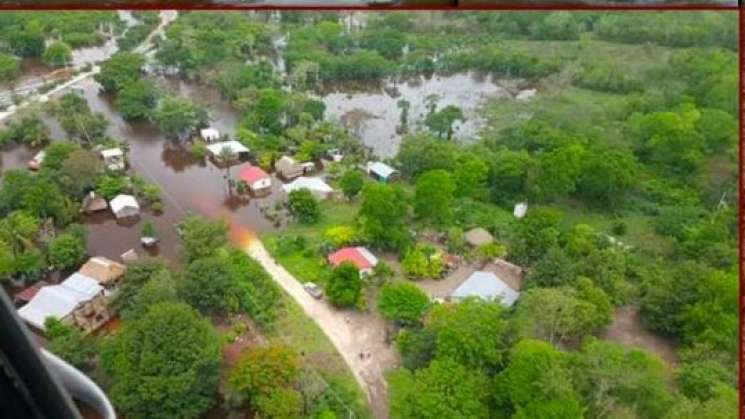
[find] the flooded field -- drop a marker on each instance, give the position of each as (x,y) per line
(375,115)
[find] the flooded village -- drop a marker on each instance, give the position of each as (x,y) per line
(361,233)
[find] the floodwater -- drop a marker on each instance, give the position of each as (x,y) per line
(374,116)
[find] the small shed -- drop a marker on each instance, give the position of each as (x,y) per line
(359,256)
(113,158)
(381,171)
(124,206)
(478,237)
(288,168)
(37,160)
(93,203)
(256,178)
(487,286)
(315,185)
(210,134)
(237,149)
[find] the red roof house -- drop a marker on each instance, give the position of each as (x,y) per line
(358,256)
(255,177)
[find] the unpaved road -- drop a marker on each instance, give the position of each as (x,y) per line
(345,330)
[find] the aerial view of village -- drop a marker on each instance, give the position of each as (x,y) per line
(377,215)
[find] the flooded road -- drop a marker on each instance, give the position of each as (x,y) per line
(374,116)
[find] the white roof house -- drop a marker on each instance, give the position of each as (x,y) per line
(59,300)
(488,286)
(124,206)
(315,185)
(113,158)
(210,134)
(234,146)
(380,170)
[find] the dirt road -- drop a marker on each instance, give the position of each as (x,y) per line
(350,332)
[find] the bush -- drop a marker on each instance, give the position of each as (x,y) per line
(403,303)
(340,235)
(67,251)
(422,262)
(304,207)
(344,286)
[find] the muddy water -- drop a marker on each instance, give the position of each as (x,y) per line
(187,185)
(375,115)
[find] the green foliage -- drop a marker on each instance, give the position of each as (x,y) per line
(535,234)
(344,286)
(70,344)
(9,68)
(57,54)
(176,116)
(261,371)
(441,122)
(470,332)
(382,216)
(209,286)
(160,288)
(351,183)
(403,303)
(555,268)
(67,251)
(339,236)
(137,99)
(120,69)
(417,347)
(80,172)
(422,262)
(164,364)
(111,185)
(258,294)
(138,274)
(201,237)
(30,130)
(420,153)
(304,206)
(433,198)
(77,119)
(444,389)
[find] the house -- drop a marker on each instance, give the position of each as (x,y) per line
(210,134)
(288,168)
(105,271)
(77,301)
(124,206)
(37,160)
(478,237)
(93,203)
(487,286)
(27,294)
(520,209)
(359,256)
(381,171)
(236,149)
(257,179)
(113,158)
(315,185)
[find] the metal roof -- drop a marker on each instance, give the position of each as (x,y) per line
(488,286)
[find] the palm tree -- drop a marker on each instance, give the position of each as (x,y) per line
(226,157)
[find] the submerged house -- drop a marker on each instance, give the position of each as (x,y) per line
(381,171)
(288,168)
(78,301)
(124,206)
(359,256)
(113,159)
(235,148)
(105,271)
(93,203)
(315,185)
(257,179)
(487,286)
(210,134)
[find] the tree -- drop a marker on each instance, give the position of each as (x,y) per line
(67,251)
(510,175)
(420,153)
(262,370)
(7,260)
(280,403)
(69,343)
(165,364)
(469,332)
(470,176)
(607,177)
(535,234)
(137,275)
(558,315)
(433,197)
(120,69)
(351,183)
(209,286)
(555,268)
(344,286)
(80,171)
(19,230)
(201,237)
(57,54)
(176,116)
(29,130)
(611,378)
(417,347)
(441,122)
(445,389)
(57,153)
(537,379)
(304,206)
(160,288)
(558,172)
(422,262)
(9,68)
(111,185)
(403,303)
(137,99)
(382,216)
